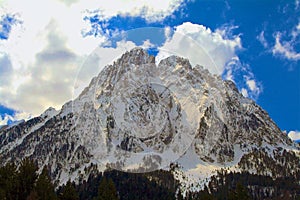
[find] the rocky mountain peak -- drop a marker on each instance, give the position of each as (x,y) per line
(136,56)
(136,116)
(175,61)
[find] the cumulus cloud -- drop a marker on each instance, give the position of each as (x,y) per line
(47,80)
(6,70)
(55,73)
(154,10)
(201,45)
(38,69)
(69,2)
(294,135)
(41,60)
(214,50)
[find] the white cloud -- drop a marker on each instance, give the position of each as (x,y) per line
(252,85)
(154,10)
(294,135)
(44,79)
(5,69)
(286,48)
(296,31)
(13,118)
(5,119)
(41,58)
(35,21)
(168,33)
(147,44)
(230,68)
(69,15)
(215,50)
(202,46)
(240,73)
(54,74)
(69,2)
(261,38)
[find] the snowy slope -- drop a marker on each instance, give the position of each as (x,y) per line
(138,116)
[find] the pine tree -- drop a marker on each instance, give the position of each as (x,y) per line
(8,182)
(205,194)
(102,190)
(240,193)
(33,196)
(44,187)
(107,190)
(112,190)
(69,192)
(27,176)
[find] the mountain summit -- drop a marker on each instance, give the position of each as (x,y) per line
(137,116)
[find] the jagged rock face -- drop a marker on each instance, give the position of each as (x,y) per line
(231,120)
(136,115)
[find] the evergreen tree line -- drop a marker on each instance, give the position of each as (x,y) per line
(244,186)
(130,186)
(25,183)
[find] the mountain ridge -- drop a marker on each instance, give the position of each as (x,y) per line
(204,125)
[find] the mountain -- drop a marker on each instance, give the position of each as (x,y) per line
(139,116)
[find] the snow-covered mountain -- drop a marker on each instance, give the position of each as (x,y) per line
(138,116)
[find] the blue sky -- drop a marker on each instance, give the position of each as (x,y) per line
(254,43)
